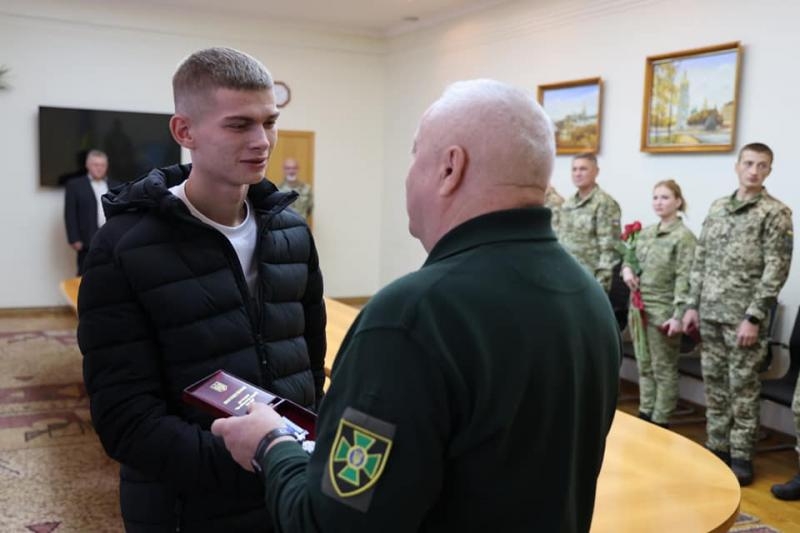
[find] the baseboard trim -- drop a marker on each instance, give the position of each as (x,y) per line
(354,301)
(27,312)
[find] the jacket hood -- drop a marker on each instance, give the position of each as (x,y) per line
(151,191)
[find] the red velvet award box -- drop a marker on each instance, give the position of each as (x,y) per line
(222,395)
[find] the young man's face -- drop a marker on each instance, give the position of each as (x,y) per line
(584,173)
(752,169)
(233,135)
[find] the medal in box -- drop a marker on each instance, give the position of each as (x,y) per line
(222,394)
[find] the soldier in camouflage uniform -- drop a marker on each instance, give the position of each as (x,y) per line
(791,489)
(664,254)
(553,201)
(305,200)
(740,264)
(588,225)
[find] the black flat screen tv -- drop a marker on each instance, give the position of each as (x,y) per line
(135,143)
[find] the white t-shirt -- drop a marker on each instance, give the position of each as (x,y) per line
(242,237)
(100,187)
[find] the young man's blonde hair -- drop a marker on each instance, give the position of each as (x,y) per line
(216,68)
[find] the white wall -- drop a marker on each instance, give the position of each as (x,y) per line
(531,43)
(102,55)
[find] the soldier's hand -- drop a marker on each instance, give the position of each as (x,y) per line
(77,246)
(630,278)
(243,433)
(672,327)
(691,320)
(746,334)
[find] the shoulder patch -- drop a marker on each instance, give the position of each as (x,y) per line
(357,459)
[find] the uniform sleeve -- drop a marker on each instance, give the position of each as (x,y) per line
(608,215)
(778,245)
(555,217)
(71,214)
(122,371)
(386,376)
(315,321)
(684,257)
(698,269)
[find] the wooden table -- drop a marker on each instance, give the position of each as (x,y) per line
(69,288)
(340,316)
(655,480)
(652,479)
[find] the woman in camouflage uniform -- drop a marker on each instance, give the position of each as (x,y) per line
(664,252)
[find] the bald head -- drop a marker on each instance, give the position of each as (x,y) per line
(506,134)
(483,146)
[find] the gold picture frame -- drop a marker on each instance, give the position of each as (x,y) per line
(691,100)
(575,108)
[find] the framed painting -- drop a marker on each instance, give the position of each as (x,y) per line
(690,100)
(575,108)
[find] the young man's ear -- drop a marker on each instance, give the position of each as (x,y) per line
(180,130)
(454,165)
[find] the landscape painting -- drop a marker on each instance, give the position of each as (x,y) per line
(691,100)
(574,107)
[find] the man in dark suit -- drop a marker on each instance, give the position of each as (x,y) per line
(83,212)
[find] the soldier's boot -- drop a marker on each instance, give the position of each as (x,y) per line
(789,490)
(743,469)
(644,416)
(725,457)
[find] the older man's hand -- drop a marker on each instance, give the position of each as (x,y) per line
(243,433)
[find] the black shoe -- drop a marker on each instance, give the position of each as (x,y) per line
(664,425)
(725,457)
(789,490)
(644,416)
(743,468)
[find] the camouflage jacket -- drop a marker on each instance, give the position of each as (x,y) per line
(589,229)
(742,258)
(665,256)
(305,201)
(553,201)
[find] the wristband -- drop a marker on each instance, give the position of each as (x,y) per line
(753,320)
(276,433)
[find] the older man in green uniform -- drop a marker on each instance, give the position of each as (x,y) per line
(476,393)
(588,224)
(740,264)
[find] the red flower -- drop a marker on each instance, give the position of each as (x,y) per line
(630,230)
(636,300)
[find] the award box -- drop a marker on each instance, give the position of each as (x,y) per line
(222,394)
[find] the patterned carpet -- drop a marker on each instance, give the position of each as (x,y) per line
(54,476)
(746,523)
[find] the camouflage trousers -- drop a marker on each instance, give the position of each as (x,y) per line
(732,388)
(658,373)
(796,412)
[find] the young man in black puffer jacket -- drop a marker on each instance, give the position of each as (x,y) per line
(199,268)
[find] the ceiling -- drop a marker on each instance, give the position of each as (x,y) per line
(366,17)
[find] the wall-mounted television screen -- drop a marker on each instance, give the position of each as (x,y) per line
(134,142)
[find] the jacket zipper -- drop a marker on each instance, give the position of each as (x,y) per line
(252,302)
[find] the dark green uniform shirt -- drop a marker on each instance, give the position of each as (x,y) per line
(472,395)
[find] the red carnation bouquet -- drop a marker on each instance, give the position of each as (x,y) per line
(637,320)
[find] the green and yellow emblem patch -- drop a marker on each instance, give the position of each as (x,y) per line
(357,458)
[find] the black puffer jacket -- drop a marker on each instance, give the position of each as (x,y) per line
(162,304)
